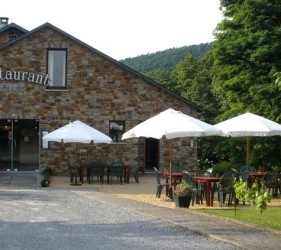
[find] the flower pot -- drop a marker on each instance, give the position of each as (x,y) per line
(182,201)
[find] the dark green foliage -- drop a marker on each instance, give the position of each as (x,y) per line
(224,167)
(164,60)
(247,54)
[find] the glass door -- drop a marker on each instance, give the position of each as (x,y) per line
(19,144)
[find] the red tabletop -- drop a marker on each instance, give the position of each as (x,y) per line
(207,180)
(256,174)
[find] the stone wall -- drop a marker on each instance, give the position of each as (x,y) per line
(99,89)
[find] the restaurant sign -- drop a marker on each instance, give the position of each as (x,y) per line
(10,75)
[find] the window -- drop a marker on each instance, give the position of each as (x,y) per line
(116,130)
(57,69)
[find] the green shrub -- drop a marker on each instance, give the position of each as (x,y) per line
(224,167)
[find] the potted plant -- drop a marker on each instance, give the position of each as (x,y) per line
(183,194)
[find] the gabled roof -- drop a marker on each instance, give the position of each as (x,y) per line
(48,25)
(13,25)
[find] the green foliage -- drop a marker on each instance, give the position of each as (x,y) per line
(246,57)
(270,219)
(165,60)
(224,167)
(183,189)
(258,197)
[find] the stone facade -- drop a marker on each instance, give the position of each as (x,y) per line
(99,89)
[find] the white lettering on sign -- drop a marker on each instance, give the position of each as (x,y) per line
(10,75)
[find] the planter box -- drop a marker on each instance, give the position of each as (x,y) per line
(182,201)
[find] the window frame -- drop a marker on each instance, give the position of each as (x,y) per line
(64,74)
(115,134)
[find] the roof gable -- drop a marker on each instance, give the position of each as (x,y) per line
(75,40)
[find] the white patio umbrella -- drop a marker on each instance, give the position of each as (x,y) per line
(78,132)
(249,125)
(171,124)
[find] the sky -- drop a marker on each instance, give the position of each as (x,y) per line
(122,28)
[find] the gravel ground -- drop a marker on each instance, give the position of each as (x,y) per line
(63,219)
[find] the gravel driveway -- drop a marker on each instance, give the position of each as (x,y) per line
(62,219)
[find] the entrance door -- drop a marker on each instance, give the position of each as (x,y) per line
(151,153)
(19,144)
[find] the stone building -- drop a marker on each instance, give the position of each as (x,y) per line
(49,78)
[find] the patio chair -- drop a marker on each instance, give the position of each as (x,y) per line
(73,171)
(201,188)
(226,187)
(160,183)
(96,169)
(116,170)
(244,176)
(197,194)
(135,172)
(271,180)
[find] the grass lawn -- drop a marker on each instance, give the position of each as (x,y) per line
(271,217)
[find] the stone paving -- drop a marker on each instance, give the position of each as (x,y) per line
(241,235)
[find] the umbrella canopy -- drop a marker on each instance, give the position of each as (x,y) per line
(248,125)
(171,124)
(77,132)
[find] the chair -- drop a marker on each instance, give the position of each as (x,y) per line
(201,188)
(135,172)
(243,168)
(117,170)
(272,182)
(96,169)
(176,169)
(244,176)
(226,187)
(187,177)
(160,183)
(73,171)
(249,168)
(252,169)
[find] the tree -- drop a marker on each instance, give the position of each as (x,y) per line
(247,53)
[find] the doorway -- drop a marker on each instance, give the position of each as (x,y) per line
(151,153)
(19,144)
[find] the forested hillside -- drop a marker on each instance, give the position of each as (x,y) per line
(165,60)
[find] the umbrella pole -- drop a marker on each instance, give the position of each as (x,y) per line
(248,151)
(171,178)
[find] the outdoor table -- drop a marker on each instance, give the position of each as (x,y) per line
(176,178)
(207,180)
(126,172)
(256,176)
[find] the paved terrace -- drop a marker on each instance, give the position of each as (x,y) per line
(141,197)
